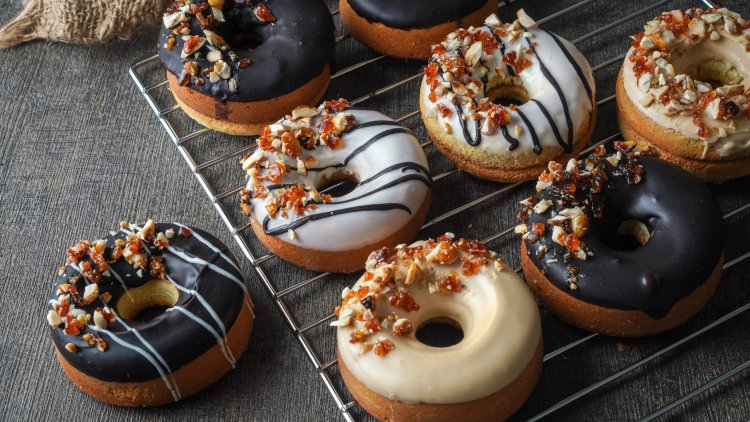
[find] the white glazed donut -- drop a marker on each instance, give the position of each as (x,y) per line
(474,66)
(310,149)
(681,91)
(395,376)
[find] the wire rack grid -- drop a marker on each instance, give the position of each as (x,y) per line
(223,193)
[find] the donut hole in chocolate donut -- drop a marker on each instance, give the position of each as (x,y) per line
(440,332)
(628,235)
(147,301)
(246,41)
(507,95)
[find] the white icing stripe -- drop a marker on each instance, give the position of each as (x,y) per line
(377,150)
(173,388)
(122,283)
(210,310)
(221,342)
(210,246)
(135,332)
(215,268)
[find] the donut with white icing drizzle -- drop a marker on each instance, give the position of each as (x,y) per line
(312,148)
(201,316)
(396,377)
(684,88)
(519,61)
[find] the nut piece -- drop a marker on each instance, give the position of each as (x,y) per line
(148,230)
(473,54)
(525,20)
(90,293)
(415,274)
(53,319)
(71,348)
(402,327)
(303,111)
(170,21)
(579,225)
(216,3)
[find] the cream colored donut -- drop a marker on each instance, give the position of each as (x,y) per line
(521,61)
(311,148)
(669,94)
(406,287)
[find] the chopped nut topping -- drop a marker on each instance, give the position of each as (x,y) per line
(382,299)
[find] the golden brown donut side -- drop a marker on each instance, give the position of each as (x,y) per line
(497,406)
(340,261)
(406,44)
(246,118)
(190,379)
(609,321)
(673,146)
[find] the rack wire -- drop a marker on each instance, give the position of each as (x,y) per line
(162,104)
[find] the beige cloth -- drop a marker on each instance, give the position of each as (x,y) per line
(80,21)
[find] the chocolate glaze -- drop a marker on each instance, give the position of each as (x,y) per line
(175,337)
(292,51)
(685,246)
(415,13)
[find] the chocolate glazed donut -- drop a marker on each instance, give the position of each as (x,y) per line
(279,54)
(407,29)
(652,258)
(112,353)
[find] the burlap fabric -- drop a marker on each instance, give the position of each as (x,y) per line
(80,21)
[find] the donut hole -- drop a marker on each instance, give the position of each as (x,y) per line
(507,95)
(147,301)
(246,41)
(440,332)
(715,72)
(629,235)
(339,184)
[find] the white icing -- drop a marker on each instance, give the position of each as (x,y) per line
(345,232)
(729,48)
(538,87)
(501,326)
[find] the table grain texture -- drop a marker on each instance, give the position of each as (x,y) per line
(80,150)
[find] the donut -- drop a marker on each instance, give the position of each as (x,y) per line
(621,243)
(310,149)
(474,67)
(395,376)
(408,29)
(235,66)
(149,315)
(680,90)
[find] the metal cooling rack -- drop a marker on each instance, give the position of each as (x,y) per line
(223,193)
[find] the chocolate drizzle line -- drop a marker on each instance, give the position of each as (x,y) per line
(566,110)
(534,136)
(575,65)
(423,176)
(552,123)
